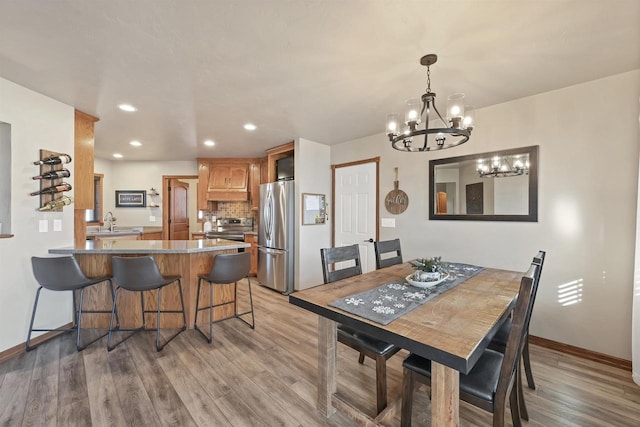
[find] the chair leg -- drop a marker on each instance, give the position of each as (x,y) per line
(253,318)
(407,398)
(513,406)
(527,364)
(361,358)
(33,318)
(522,405)
(381,384)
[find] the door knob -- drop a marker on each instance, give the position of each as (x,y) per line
(369,240)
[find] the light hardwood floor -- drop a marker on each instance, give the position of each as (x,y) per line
(266,377)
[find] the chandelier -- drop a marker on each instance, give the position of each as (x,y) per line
(505,166)
(453,131)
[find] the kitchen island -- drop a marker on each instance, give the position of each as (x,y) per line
(187,258)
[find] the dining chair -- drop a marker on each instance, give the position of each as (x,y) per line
(64,274)
(226,269)
(386,247)
(499,343)
(366,345)
(493,377)
(141,274)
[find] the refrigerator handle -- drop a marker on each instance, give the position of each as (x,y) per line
(268,214)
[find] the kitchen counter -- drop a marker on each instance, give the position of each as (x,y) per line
(106,246)
(185,258)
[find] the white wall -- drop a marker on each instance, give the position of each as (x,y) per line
(130,175)
(36,122)
(313,175)
(588,136)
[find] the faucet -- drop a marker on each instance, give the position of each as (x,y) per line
(109,217)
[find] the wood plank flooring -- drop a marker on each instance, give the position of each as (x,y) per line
(266,377)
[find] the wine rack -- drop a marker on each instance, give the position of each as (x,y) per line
(44,183)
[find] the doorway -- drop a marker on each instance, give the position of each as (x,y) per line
(356,207)
(179,206)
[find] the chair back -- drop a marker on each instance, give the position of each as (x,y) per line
(61,273)
(385,247)
(229,268)
(136,273)
(520,321)
(340,254)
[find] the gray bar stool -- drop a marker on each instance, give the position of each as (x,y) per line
(64,274)
(226,269)
(140,274)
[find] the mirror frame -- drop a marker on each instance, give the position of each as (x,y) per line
(532,216)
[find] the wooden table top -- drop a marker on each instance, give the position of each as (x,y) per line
(453,329)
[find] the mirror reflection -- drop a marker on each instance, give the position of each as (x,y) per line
(496,186)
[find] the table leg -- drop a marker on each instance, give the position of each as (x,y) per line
(445,394)
(327,339)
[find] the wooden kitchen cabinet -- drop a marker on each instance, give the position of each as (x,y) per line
(253,239)
(274,154)
(156,235)
(255,179)
(228,177)
(223,180)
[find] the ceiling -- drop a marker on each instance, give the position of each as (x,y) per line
(325,70)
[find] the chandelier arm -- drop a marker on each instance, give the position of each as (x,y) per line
(440,116)
(425,106)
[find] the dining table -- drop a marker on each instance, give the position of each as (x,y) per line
(452,330)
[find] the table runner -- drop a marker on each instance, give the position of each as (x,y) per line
(386,303)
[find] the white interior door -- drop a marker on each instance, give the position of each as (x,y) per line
(356,199)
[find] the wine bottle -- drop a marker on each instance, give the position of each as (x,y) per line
(63,173)
(54,160)
(54,189)
(58,203)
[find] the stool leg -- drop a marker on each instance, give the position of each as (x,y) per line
(79,319)
(144,323)
(113,314)
(235,299)
(158,347)
(184,311)
(253,319)
(210,312)
(33,318)
(195,323)
(113,291)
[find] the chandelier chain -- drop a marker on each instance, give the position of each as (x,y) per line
(428,79)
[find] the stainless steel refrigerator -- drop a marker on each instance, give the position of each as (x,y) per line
(275,236)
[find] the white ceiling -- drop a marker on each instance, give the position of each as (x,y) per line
(325,70)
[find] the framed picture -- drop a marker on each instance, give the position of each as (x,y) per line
(131,199)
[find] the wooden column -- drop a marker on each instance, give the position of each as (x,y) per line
(82,174)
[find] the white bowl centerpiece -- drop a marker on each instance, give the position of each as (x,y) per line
(429,272)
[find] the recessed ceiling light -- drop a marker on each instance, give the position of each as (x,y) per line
(127,107)
(117,155)
(209,143)
(136,143)
(250,126)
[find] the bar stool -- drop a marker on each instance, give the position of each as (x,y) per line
(140,274)
(64,274)
(226,269)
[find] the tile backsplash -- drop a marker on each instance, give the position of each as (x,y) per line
(234,210)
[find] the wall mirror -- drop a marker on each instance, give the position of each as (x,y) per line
(313,209)
(494,186)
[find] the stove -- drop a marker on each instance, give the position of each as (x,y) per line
(230,229)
